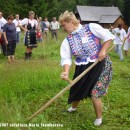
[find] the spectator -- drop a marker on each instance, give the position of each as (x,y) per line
(54,28)
(2,41)
(17,23)
(39,30)
(9,31)
(120,35)
(31,25)
(46,29)
(127,42)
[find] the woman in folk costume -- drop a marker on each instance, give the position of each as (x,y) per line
(127,42)
(31,25)
(84,43)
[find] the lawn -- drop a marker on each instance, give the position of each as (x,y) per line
(27,85)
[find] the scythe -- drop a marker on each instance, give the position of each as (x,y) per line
(65,89)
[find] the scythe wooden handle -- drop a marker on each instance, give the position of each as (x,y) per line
(65,89)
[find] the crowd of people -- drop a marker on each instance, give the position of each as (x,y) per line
(35,31)
(122,40)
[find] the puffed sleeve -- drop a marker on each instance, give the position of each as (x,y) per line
(36,23)
(65,52)
(20,22)
(101,32)
(24,21)
(5,27)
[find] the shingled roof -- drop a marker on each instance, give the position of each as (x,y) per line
(98,14)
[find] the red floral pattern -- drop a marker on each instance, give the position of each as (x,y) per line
(101,86)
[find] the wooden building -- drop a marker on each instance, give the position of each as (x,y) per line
(105,16)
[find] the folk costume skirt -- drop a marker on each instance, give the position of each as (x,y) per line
(30,38)
(94,83)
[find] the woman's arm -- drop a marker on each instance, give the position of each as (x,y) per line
(4,33)
(103,34)
(25,29)
(105,46)
(65,73)
(0,35)
(24,22)
(6,41)
(66,59)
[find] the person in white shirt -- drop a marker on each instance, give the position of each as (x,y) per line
(17,23)
(84,43)
(120,36)
(127,42)
(54,25)
(31,25)
(2,41)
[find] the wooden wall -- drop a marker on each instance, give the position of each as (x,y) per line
(120,20)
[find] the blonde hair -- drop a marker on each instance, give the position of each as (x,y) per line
(68,17)
(1,13)
(31,12)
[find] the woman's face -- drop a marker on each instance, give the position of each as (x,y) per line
(10,21)
(31,16)
(67,26)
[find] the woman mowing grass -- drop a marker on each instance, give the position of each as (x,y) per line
(84,43)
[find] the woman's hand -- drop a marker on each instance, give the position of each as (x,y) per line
(105,46)
(6,42)
(64,76)
(101,55)
(23,28)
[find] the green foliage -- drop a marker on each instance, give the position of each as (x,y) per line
(82,2)
(127,11)
(50,8)
(116,3)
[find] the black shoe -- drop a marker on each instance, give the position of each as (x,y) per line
(29,55)
(26,56)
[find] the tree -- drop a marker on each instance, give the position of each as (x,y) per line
(126,11)
(50,8)
(81,2)
(116,3)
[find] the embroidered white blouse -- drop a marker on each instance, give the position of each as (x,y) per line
(97,30)
(33,22)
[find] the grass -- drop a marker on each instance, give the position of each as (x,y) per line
(27,85)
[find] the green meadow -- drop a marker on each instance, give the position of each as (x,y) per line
(25,86)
